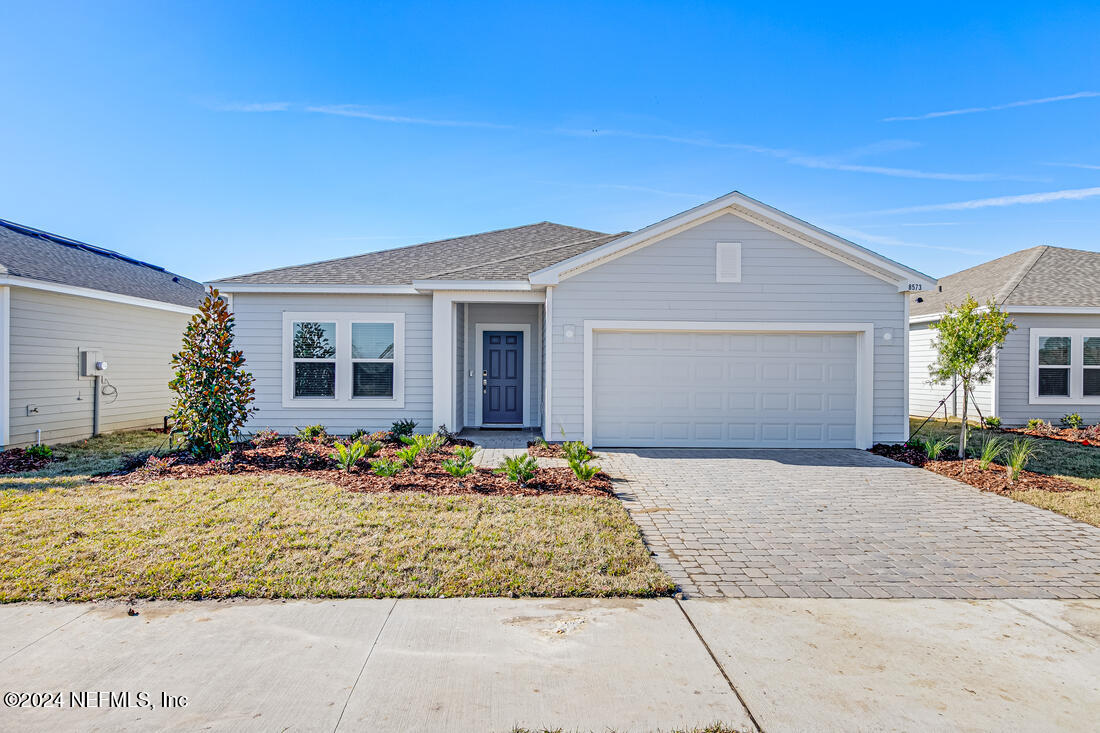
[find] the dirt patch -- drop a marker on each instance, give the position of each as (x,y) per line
(312,459)
(17,460)
(547,450)
(994,479)
(1085,436)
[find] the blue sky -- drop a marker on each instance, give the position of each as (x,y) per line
(220,138)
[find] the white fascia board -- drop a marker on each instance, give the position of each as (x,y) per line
(471,285)
(304,288)
(1051,310)
(906,278)
(22,282)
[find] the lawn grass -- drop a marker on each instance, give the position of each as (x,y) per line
(85,458)
(1074,462)
(274,536)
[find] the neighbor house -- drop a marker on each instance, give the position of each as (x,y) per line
(1050,365)
(731,324)
(86,337)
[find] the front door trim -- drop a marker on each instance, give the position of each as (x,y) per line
(479,366)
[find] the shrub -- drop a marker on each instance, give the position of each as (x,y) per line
(155,465)
(992,448)
(933,447)
(465,452)
(993,422)
(385,467)
(39,451)
(575,450)
(425,444)
(265,438)
(348,454)
(1074,421)
(304,458)
(584,470)
(408,454)
(1020,452)
(446,435)
(402,427)
(312,432)
(458,467)
(214,393)
(520,469)
(370,447)
(1036,423)
(358,434)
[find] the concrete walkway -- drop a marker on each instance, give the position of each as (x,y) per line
(491,664)
(844,524)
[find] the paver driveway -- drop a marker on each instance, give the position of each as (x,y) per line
(844,524)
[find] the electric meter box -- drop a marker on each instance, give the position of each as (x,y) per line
(91,362)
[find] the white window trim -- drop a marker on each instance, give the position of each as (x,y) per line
(343,399)
(727,257)
(1076,367)
(865,358)
(479,365)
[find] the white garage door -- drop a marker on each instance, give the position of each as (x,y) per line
(693,388)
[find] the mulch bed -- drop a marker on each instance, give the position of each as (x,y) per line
(995,479)
(550,450)
(1083,436)
(311,459)
(17,460)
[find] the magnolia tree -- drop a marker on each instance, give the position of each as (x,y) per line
(967,338)
(213,392)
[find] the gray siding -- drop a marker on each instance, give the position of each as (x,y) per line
(518,313)
(1012,371)
(260,335)
(924,397)
(674,279)
(460,367)
(47,331)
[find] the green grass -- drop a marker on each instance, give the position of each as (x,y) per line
(276,536)
(1077,463)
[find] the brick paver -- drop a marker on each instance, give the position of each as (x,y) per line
(844,524)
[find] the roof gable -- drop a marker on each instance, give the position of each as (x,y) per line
(755,212)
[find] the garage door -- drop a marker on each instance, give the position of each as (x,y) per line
(708,389)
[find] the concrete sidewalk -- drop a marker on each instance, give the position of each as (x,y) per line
(626,665)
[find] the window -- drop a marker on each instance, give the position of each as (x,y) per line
(344,359)
(1065,365)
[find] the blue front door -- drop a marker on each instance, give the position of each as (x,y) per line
(502,379)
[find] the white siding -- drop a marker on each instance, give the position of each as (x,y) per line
(517,313)
(781,281)
(1013,364)
(48,330)
(259,334)
(924,397)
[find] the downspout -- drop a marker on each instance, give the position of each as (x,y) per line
(5,363)
(95,406)
(548,357)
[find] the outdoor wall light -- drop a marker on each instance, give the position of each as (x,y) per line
(570,332)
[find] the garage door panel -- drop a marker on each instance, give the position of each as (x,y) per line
(724,389)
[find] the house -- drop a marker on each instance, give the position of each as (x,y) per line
(731,324)
(86,337)
(1050,365)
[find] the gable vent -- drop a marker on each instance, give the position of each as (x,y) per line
(728,262)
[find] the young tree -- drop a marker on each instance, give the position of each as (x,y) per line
(213,392)
(968,336)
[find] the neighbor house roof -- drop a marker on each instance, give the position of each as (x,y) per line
(1040,276)
(26,252)
(504,254)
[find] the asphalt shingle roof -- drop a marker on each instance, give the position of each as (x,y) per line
(504,254)
(1044,275)
(32,253)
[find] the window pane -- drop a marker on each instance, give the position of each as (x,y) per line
(372,379)
(1092,382)
(1054,382)
(314,340)
(1092,351)
(1054,350)
(372,341)
(314,379)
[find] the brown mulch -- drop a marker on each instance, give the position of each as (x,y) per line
(1083,436)
(310,459)
(550,450)
(17,460)
(995,479)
